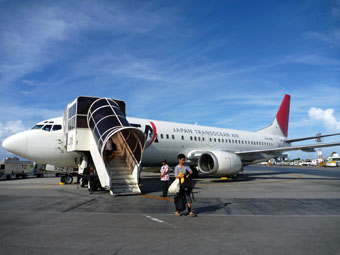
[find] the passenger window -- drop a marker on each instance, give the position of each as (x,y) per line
(47,127)
(199,138)
(195,138)
(56,127)
(190,138)
(161,136)
(167,136)
(173,137)
(182,137)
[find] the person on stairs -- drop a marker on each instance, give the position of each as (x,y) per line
(109,151)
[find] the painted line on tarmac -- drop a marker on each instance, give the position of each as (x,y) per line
(155,197)
(160,221)
(154,219)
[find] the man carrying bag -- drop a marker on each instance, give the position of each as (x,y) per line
(183,173)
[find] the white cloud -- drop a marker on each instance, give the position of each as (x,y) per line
(327,117)
(10,128)
(7,129)
(332,37)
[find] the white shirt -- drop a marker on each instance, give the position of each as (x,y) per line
(165,169)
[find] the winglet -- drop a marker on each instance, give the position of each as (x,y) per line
(282,115)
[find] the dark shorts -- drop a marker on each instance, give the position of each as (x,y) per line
(188,198)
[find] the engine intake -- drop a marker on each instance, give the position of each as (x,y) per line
(219,163)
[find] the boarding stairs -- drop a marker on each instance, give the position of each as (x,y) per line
(123,170)
(120,175)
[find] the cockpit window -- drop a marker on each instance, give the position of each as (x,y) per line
(56,127)
(47,127)
(37,127)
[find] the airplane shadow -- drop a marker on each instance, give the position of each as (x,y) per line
(152,184)
(213,208)
(248,177)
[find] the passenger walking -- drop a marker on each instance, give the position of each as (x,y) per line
(184,173)
(109,152)
(165,178)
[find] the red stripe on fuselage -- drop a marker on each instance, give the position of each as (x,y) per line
(154,133)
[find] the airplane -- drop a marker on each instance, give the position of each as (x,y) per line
(214,151)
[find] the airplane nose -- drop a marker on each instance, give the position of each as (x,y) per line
(17,144)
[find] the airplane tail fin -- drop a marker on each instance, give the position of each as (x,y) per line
(280,124)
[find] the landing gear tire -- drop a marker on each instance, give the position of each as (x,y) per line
(234,176)
(68,179)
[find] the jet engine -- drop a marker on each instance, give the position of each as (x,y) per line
(219,163)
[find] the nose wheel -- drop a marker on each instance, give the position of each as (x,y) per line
(67,179)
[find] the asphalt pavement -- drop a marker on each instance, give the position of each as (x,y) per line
(267,210)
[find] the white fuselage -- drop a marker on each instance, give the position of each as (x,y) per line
(165,140)
(175,138)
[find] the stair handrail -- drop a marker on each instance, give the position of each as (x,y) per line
(128,147)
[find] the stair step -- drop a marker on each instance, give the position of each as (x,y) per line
(120,176)
(125,190)
(113,168)
(117,167)
(120,172)
(117,182)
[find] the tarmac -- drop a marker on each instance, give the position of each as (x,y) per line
(267,210)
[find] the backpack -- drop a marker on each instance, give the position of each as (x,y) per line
(187,185)
(180,202)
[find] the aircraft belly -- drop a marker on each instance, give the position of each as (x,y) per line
(154,155)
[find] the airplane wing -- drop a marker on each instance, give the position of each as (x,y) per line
(194,155)
(309,138)
(307,148)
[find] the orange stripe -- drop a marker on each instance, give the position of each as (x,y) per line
(162,198)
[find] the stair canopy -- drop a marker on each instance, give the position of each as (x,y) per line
(106,120)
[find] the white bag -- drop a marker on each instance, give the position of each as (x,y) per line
(174,187)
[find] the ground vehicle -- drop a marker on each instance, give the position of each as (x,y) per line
(333,160)
(14,167)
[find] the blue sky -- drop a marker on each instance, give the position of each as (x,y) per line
(219,63)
